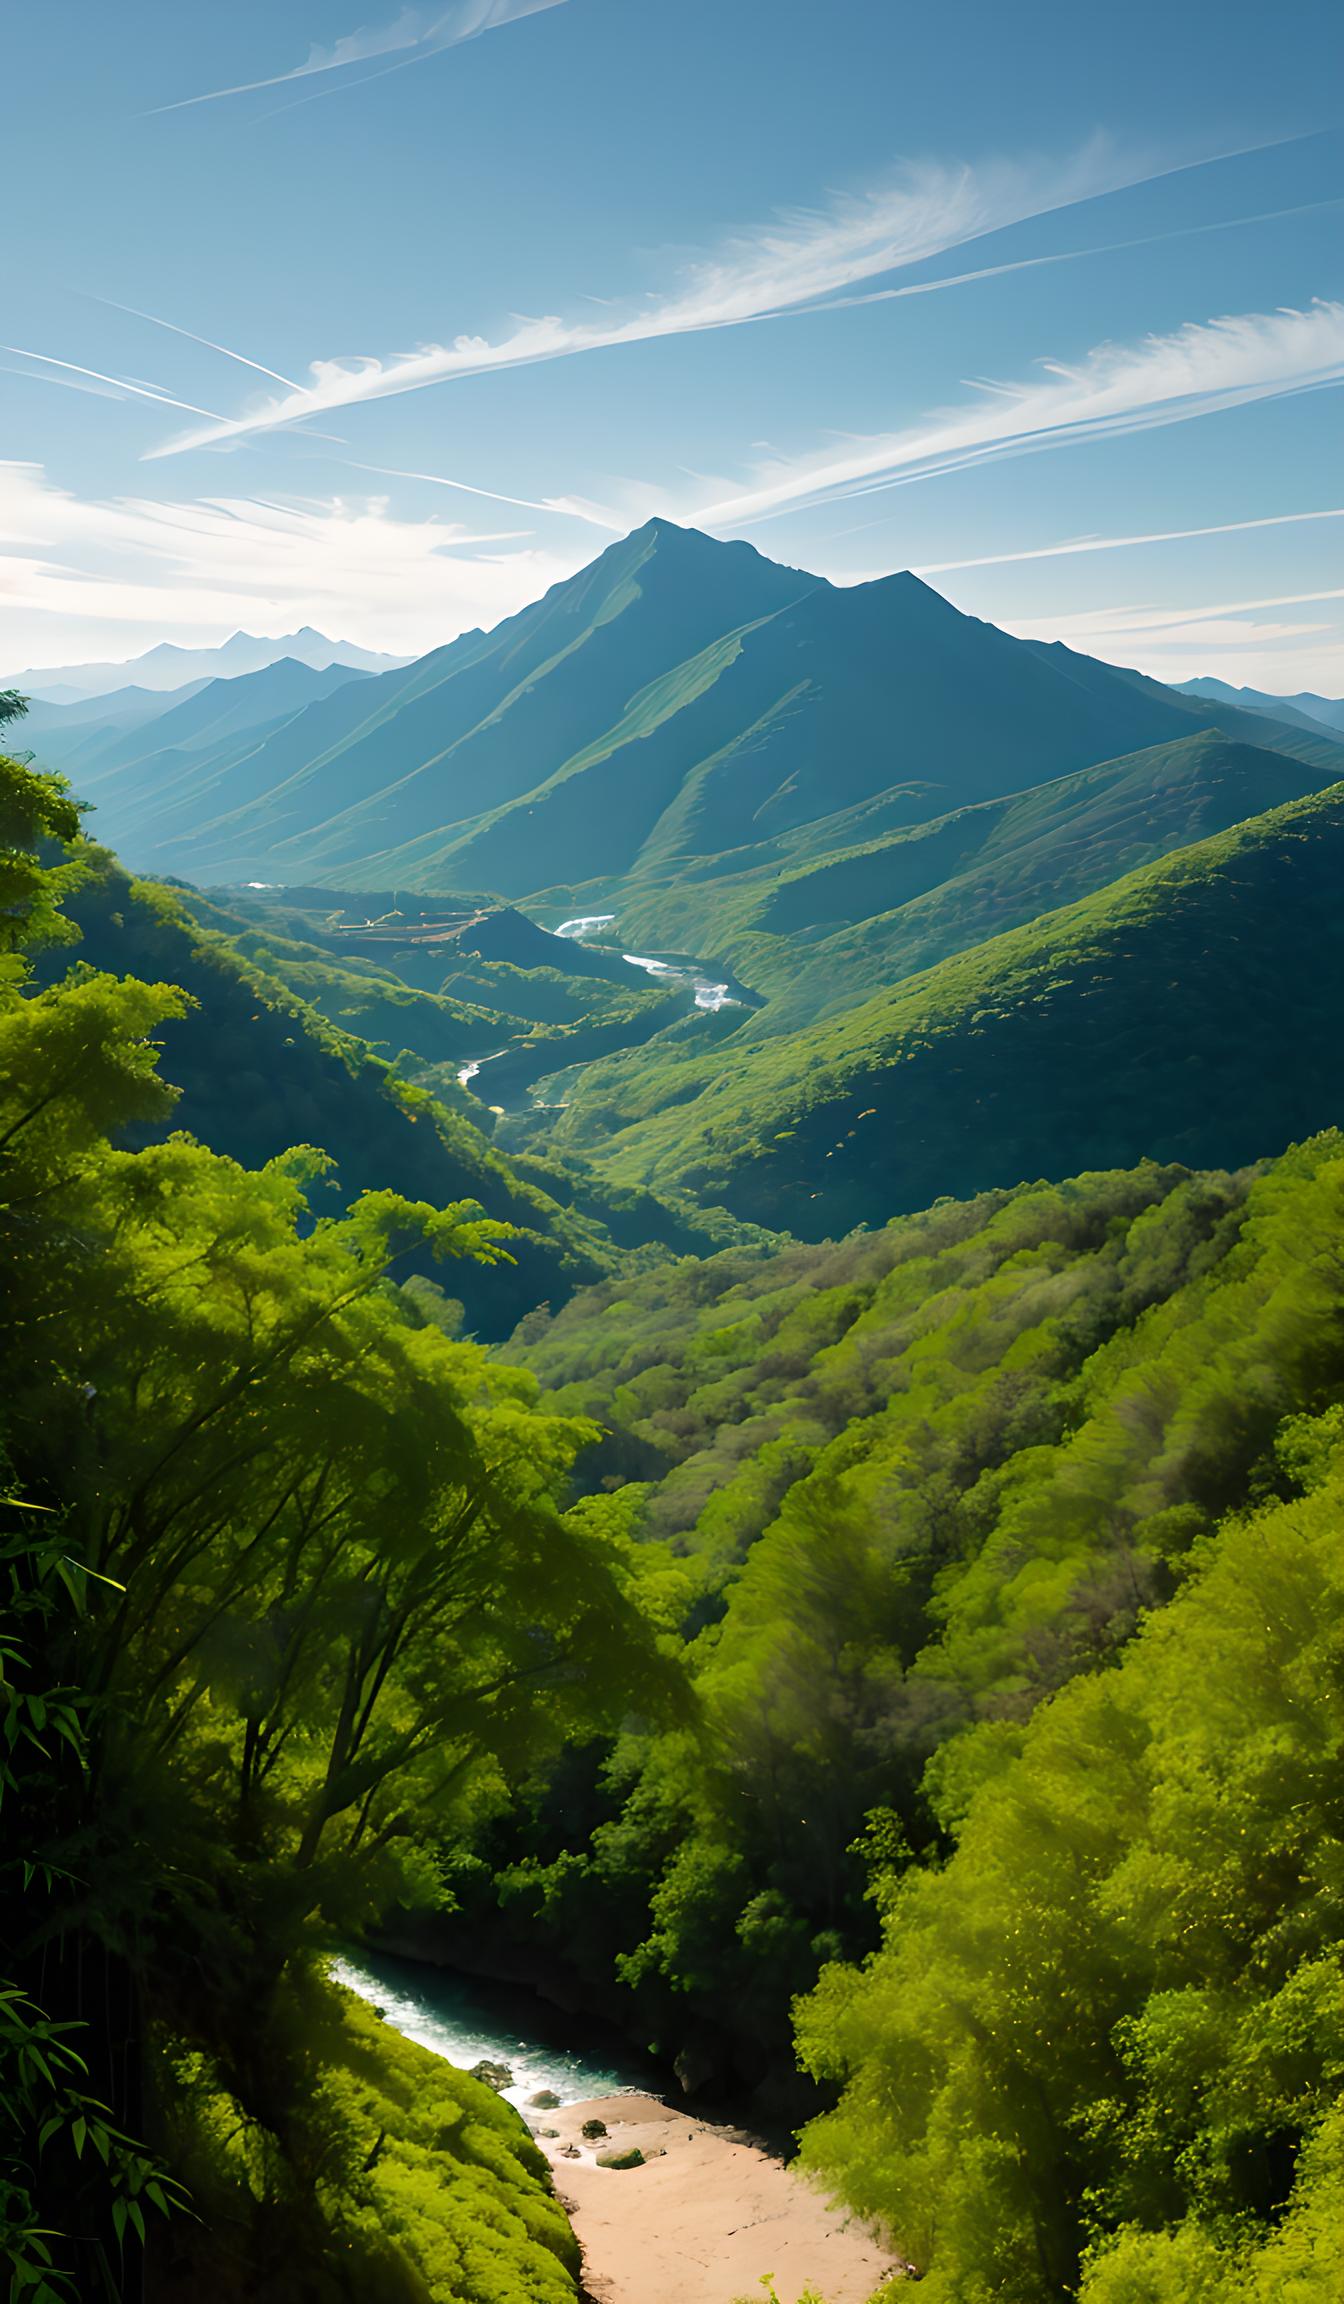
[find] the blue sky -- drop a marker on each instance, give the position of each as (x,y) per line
(482,283)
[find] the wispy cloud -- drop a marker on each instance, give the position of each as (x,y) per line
(1148,618)
(204,566)
(118,387)
(241,358)
(1196,370)
(790,265)
(1122,543)
(411,37)
(947,280)
(1266,650)
(564,507)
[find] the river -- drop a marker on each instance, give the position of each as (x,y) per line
(665,968)
(669,969)
(700,2213)
(469,2023)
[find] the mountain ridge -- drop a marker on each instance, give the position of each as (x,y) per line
(1325,712)
(169,665)
(678,699)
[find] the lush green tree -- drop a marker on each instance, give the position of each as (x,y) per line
(1102,2050)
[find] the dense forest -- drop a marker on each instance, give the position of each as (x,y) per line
(288,1592)
(980,1446)
(889,1666)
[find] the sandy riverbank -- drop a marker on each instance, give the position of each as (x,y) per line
(704,2218)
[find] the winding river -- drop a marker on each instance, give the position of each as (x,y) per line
(673,969)
(677,970)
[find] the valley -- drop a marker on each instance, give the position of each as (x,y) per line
(671,1154)
(675,1346)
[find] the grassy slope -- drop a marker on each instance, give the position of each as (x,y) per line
(816,935)
(431,2190)
(1188,1012)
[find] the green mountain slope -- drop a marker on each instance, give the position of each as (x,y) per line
(484,719)
(1189,1012)
(819,935)
(844,694)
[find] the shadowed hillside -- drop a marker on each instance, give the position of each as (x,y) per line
(1187,1012)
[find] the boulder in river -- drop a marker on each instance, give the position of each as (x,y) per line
(545,2100)
(494,2075)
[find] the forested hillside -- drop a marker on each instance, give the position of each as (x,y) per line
(918,1480)
(288,1594)
(263,1059)
(1099,2054)
(1185,1012)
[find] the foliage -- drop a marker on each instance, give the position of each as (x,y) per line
(33,807)
(388,2176)
(1103,2048)
(49,2119)
(328,1605)
(918,1480)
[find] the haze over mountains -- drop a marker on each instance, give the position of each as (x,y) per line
(1319,711)
(168,666)
(140,745)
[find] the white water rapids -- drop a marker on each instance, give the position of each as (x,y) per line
(708,994)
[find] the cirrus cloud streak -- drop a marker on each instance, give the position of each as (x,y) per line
(412,36)
(1194,371)
(921,213)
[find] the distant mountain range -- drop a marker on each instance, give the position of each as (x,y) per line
(1313,711)
(168,667)
(151,753)
(681,710)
